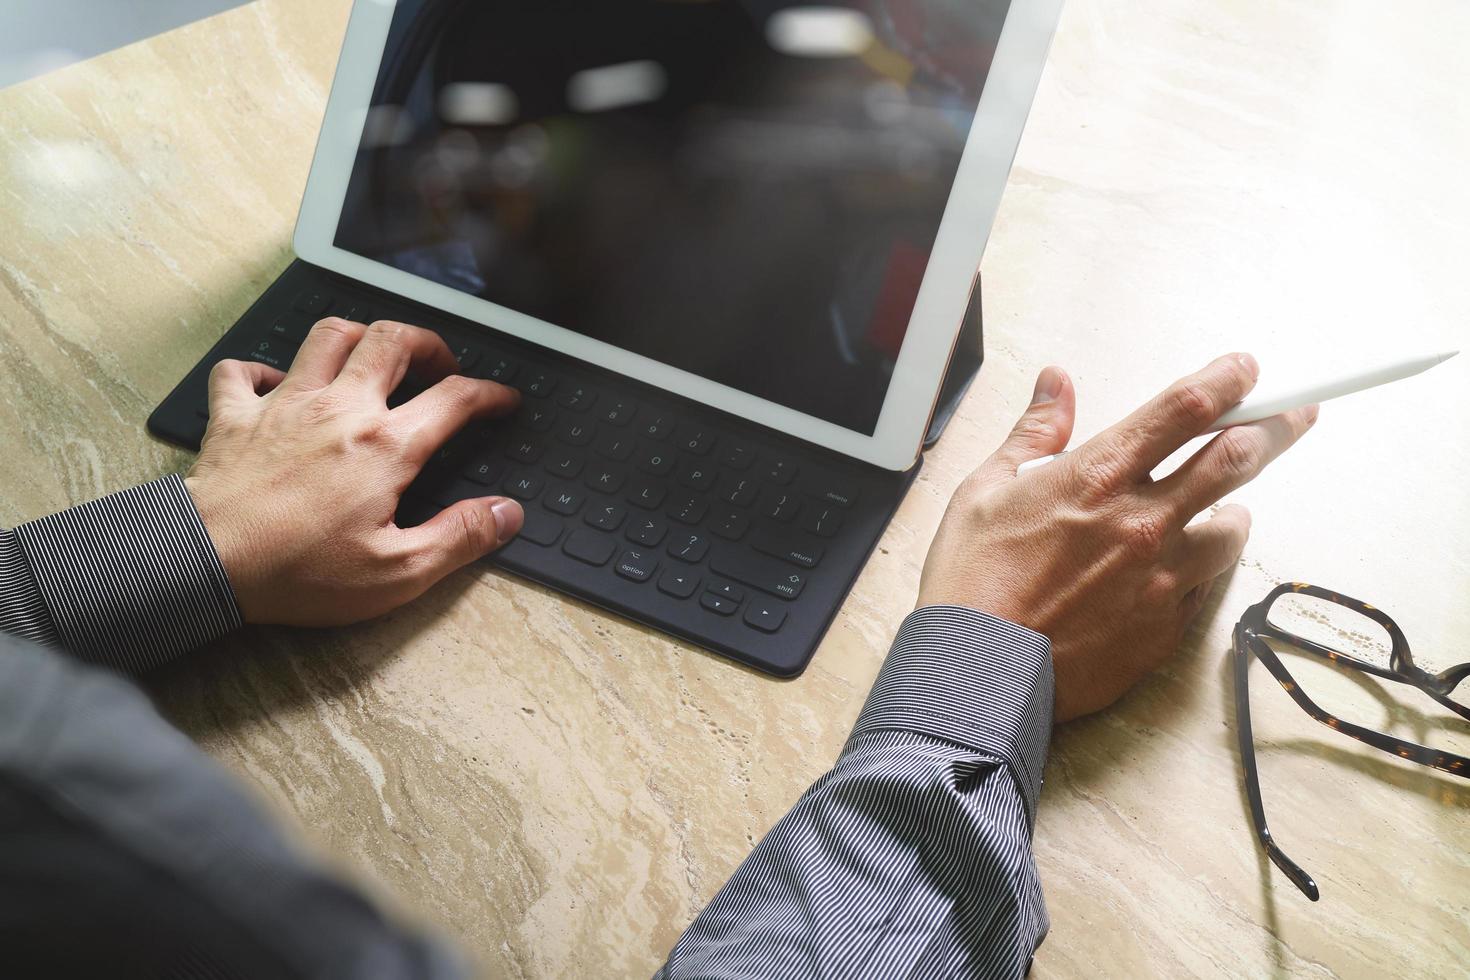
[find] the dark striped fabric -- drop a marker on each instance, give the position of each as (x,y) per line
(912,856)
(22,610)
(128,581)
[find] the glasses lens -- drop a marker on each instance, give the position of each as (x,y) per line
(1332,625)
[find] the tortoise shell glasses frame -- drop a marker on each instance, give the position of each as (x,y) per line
(1250,636)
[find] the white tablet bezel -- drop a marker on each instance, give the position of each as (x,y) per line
(942,300)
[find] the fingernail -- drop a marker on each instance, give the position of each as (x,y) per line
(1249,363)
(1048,386)
(1312,411)
(508,519)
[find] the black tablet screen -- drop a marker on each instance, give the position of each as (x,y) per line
(745,190)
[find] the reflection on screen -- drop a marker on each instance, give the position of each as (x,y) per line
(748,191)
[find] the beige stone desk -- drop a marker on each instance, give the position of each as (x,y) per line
(561,790)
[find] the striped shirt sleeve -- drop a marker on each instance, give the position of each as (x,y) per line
(128,581)
(912,856)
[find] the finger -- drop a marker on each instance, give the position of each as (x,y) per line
(460,534)
(1230,460)
(1194,600)
(235,383)
(1211,548)
(1043,429)
(432,416)
(323,353)
(388,351)
(1184,410)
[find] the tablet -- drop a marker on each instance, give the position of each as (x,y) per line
(774,209)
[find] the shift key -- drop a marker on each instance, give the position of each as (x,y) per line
(766,574)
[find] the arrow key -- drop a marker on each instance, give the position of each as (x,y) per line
(678,583)
(766,615)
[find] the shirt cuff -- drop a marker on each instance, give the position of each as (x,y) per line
(972,679)
(132,579)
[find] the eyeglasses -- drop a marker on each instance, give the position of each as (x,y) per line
(1362,639)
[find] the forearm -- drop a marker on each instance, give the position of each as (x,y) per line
(912,856)
(129,581)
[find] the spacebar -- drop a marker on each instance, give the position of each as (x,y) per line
(766,574)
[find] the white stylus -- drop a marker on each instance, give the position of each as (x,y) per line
(1260,405)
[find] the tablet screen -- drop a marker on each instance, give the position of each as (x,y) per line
(748,191)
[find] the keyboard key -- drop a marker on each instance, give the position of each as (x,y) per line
(540,528)
(653,424)
(292,327)
(614,444)
(679,583)
(578,398)
(766,574)
(466,352)
(274,351)
(646,493)
(354,310)
(688,509)
(647,530)
(487,472)
(728,590)
(717,604)
(501,369)
(737,455)
(608,517)
(779,505)
(523,486)
(606,477)
(729,524)
(614,410)
(313,302)
(687,546)
(564,501)
(525,450)
(565,464)
(540,384)
(657,462)
(574,432)
(795,548)
(765,615)
(593,547)
(694,439)
(537,418)
(778,471)
(825,521)
(696,476)
(739,491)
(830,489)
(637,565)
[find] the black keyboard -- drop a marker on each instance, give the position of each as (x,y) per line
(657,508)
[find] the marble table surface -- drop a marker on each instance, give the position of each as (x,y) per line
(560,790)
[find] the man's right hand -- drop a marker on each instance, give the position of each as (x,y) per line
(301,473)
(1089,550)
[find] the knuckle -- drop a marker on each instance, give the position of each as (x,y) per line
(1239,452)
(1145,534)
(1098,474)
(1034,429)
(335,325)
(374,432)
(390,331)
(463,392)
(224,369)
(1191,402)
(1161,587)
(476,529)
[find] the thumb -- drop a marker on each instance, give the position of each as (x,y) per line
(466,531)
(1045,427)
